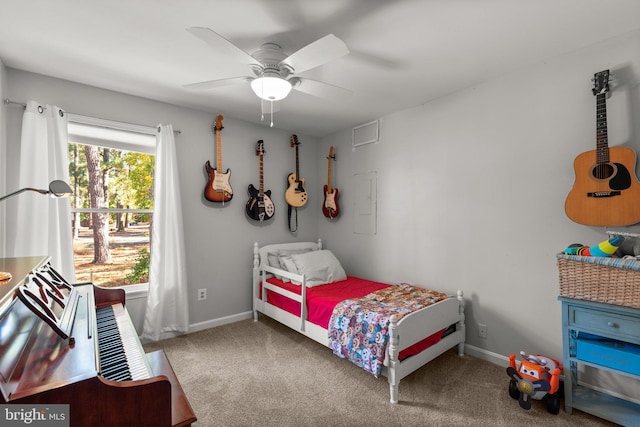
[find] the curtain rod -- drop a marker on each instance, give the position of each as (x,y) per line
(7,101)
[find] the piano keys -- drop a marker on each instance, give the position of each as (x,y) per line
(121,355)
(100,369)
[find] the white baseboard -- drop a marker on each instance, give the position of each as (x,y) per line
(480,353)
(220,321)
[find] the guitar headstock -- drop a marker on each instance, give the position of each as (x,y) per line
(294,140)
(260,148)
(218,125)
(601,82)
(331,155)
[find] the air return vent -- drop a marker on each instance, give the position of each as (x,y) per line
(366,133)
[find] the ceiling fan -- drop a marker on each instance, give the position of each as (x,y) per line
(275,72)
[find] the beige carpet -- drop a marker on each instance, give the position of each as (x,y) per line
(264,374)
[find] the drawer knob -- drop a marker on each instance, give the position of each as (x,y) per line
(612,324)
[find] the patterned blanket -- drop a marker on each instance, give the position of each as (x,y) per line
(359,328)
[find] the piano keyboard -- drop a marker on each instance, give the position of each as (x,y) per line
(121,355)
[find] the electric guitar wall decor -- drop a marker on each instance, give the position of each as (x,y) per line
(296,195)
(218,188)
(260,207)
(606,191)
(330,205)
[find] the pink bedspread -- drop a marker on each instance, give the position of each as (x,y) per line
(322,299)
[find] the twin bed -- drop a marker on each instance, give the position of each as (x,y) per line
(304,287)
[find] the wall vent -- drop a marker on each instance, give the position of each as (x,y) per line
(366,133)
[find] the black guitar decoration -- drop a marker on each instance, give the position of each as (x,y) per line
(260,206)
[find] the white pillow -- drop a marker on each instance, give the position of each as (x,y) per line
(287,263)
(319,267)
(273,261)
(288,252)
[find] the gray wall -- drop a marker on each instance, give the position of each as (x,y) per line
(3,149)
(219,240)
(471,191)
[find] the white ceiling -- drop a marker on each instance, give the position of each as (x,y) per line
(403,53)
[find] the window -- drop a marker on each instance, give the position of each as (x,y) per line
(111,167)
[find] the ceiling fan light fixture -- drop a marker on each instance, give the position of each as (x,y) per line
(271,88)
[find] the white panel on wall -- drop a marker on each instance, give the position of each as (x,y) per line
(365,203)
(365,134)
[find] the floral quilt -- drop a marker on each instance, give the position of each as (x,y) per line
(359,328)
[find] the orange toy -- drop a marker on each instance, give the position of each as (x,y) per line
(538,378)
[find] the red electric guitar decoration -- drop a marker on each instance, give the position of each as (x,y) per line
(296,195)
(606,191)
(330,205)
(218,188)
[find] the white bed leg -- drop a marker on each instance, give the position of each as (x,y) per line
(461,323)
(393,359)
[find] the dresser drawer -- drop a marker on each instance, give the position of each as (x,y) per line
(603,322)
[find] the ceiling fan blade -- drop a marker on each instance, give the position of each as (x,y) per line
(319,89)
(219,43)
(316,53)
(211,84)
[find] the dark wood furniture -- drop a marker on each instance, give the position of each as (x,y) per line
(38,366)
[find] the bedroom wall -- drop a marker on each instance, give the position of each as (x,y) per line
(471,191)
(219,240)
(3,149)
(470,195)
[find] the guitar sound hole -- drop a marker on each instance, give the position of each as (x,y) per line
(603,171)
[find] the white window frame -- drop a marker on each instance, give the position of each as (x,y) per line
(118,135)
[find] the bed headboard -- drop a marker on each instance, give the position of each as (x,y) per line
(260,253)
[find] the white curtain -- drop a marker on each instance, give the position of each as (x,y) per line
(167,310)
(42,223)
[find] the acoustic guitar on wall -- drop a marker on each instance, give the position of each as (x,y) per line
(330,205)
(260,206)
(296,194)
(218,188)
(606,191)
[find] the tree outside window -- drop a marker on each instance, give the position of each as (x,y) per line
(112,208)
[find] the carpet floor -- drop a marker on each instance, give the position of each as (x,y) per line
(265,374)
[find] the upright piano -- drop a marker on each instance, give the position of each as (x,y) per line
(75,344)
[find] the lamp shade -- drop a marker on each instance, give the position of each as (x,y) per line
(57,188)
(271,88)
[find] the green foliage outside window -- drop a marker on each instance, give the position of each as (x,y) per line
(140,273)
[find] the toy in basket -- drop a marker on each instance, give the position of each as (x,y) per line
(605,248)
(538,378)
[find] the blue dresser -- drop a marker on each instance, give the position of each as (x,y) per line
(602,336)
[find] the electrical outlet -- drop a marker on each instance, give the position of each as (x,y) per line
(482,330)
(202,294)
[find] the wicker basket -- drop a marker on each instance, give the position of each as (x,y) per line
(582,278)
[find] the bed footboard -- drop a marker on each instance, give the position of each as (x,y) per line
(414,327)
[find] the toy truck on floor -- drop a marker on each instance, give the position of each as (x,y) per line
(537,378)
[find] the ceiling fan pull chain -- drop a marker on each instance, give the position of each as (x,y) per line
(271,113)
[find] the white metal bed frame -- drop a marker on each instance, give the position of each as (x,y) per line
(402,333)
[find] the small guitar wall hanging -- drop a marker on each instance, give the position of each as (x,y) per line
(260,207)
(606,191)
(218,188)
(296,194)
(330,204)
